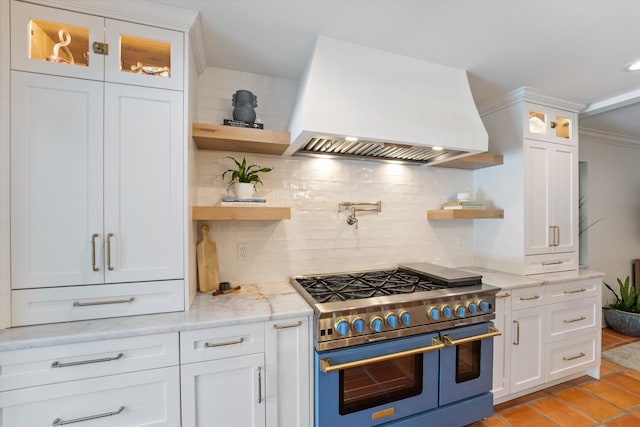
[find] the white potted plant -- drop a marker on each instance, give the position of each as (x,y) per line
(243,178)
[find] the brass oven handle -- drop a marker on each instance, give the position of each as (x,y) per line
(94,236)
(61,422)
(109,236)
(325,364)
(222,344)
(294,325)
(493,332)
(577,319)
(517,341)
(57,364)
(119,301)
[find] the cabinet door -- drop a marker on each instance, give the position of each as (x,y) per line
(54,41)
(143,184)
(550,124)
(225,392)
(527,348)
(288,358)
(502,345)
(551,203)
(56,181)
(144,56)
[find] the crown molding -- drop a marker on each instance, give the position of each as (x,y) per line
(535,96)
(196,40)
(610,138)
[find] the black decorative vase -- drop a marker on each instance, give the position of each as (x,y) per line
(244,102)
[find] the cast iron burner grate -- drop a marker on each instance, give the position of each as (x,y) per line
(343,287)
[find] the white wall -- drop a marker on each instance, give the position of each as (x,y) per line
(613,181)
(317,239)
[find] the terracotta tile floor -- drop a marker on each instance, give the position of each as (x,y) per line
(612,401)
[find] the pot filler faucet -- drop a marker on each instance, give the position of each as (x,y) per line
(353,207)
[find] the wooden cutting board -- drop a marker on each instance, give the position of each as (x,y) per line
(207,259)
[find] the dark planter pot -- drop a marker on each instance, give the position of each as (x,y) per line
(622,321)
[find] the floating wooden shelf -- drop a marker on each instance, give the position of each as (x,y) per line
(465,214)
(475,161)
(229,138)
(222,213)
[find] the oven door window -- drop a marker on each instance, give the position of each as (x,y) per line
(467,361)
(375,384)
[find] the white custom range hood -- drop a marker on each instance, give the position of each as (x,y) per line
(399,108)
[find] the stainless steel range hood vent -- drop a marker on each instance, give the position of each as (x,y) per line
(370,150)
(398,108)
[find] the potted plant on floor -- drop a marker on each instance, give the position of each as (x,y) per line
(624,315)
(243,178)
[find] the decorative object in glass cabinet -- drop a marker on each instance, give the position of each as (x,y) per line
(145,56)
(538,124)
(56,42)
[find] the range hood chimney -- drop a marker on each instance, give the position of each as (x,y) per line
(358,102)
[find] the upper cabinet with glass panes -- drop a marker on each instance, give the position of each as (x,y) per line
(548,124)
(53,41)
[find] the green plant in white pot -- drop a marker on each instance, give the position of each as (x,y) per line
(243,177)
(624,315)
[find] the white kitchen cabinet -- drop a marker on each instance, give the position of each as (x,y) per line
(551,198)
(550,124)
(135,54)
(97,170)
(502,345)
(289,366)
(537,185)
(528,348)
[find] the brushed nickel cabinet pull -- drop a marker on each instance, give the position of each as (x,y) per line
(118,301)
(94,236)
(530,298)
(575,291)
(517,341)
(109,236)
(294,325)
(222,344)
(61,422)
(575,320)
(577,356)
(259,384)
(57,364)
(506,295)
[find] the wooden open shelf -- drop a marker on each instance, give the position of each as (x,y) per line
(475,161)
(465,214)
(222,213)
(229,138)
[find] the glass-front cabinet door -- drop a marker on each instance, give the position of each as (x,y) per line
(143,55)
(53,41)
(547,124)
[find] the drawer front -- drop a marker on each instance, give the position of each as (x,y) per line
(549,263)
(571,356)
(568,319)
(148,398)
(52,364)
(567,291)
(36,306)
(218,343)
(527,297)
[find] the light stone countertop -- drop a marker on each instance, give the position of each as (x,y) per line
(512,281)
(252,303)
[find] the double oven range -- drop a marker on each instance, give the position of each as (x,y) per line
(409,346)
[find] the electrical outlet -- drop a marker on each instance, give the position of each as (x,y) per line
(243,251)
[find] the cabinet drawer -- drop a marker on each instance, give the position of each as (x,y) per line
(566,319)
(218,343)
(60,363)
(571,356)
(35,306)
(527,297)
(573,290)
(549,263)
(148,398)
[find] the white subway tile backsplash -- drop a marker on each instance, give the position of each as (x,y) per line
(317,238)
